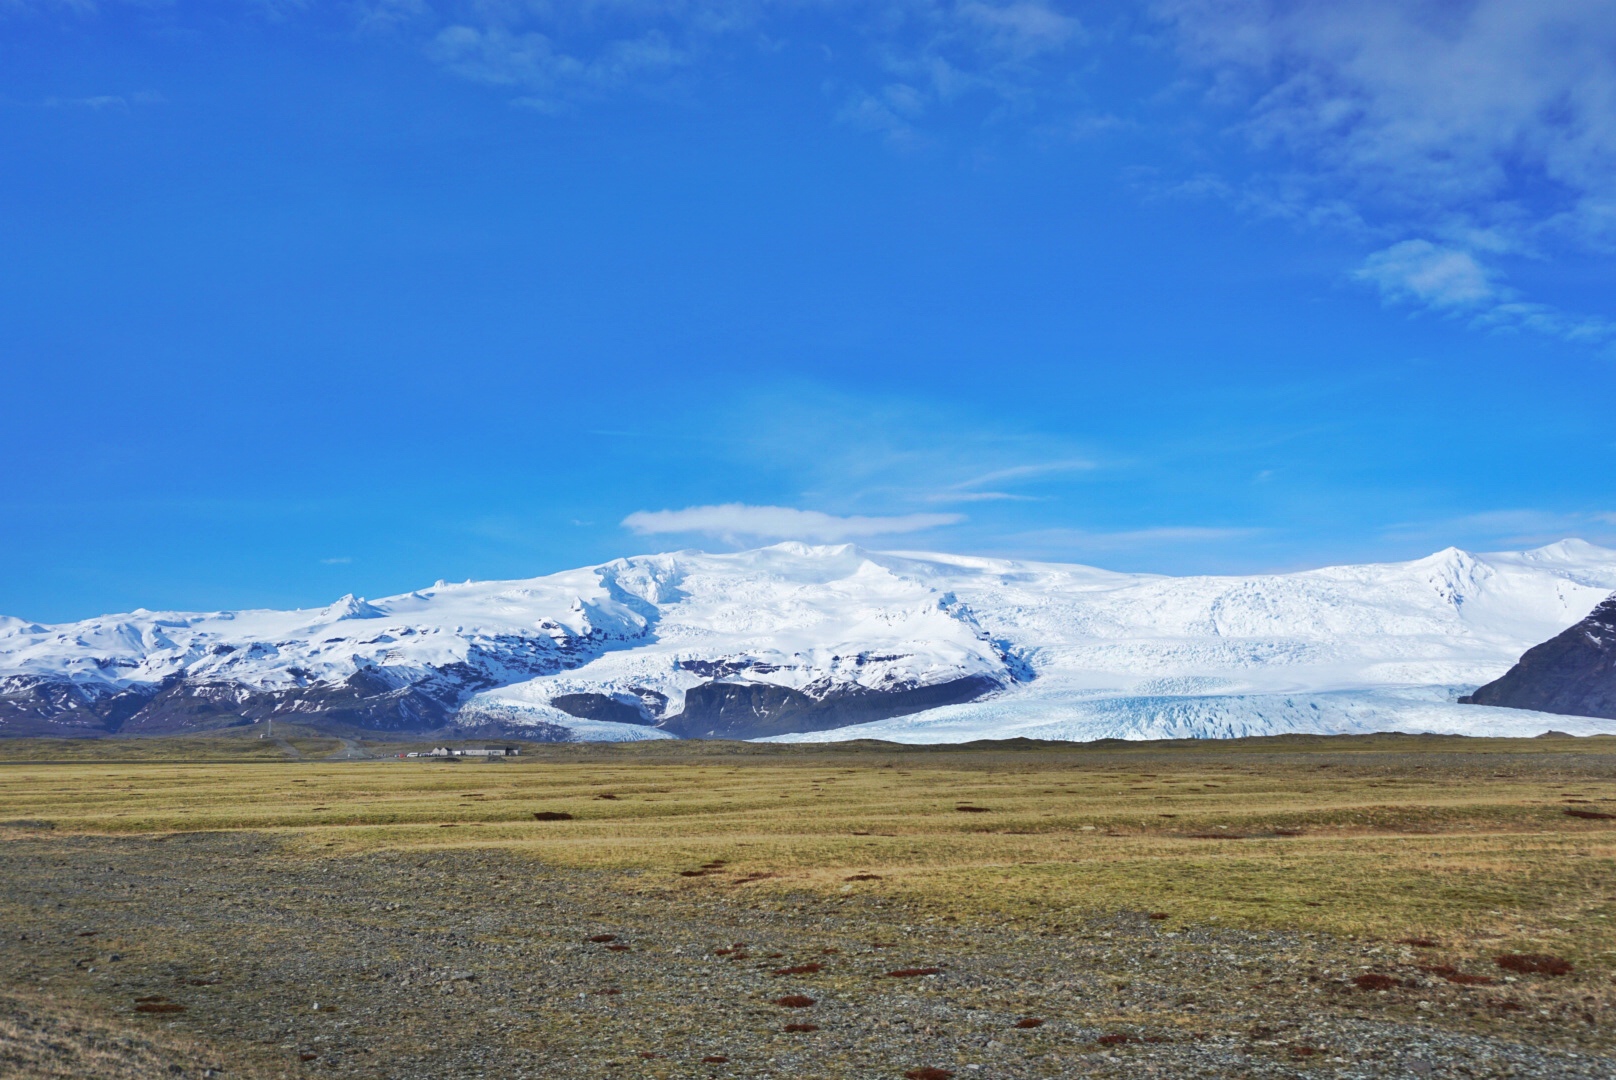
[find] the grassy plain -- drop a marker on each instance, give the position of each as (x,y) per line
(1464,841)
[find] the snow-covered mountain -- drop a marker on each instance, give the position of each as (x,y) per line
(799,642)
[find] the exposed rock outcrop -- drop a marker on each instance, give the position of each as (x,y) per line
(1573,673)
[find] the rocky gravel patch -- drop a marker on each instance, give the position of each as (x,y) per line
(478,963)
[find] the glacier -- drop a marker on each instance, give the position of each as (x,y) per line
(802,642)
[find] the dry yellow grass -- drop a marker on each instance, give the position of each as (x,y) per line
(1467,841)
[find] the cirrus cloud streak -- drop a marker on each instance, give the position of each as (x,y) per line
(738,521)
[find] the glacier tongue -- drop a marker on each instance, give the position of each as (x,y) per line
(796,641)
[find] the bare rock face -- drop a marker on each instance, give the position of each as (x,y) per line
(722,710)
(1573,673)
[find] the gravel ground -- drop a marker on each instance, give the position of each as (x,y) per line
(477,963)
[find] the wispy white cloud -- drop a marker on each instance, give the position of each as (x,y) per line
(907,58)
(1028,471)
(978,496)
(340,560)
(99,102)
(1463,134)
(1435,106)
(736,522)
(1421,272)
(1457,282)
(531,61)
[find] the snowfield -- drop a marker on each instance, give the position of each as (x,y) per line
(1064,651)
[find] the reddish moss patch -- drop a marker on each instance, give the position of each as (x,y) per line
(617,948)
(715,1059)
(1302,1050)
(694,873)
(1590,815)
(159,1007)
(830,952)
(1115,1039)
(611,797)
(793,1001)
(1417,942)
(1029,1022)
(602,938)
(912,973)
(1290,832)
(608,990)
(927,1072)
(1374,980)
(307,1056)
(972,810)
(149,998)
(1534,964)
(649,1054)
(551,815)
(863,877)
(1505,1005)
(796,1028)
(801,969)
(1159,915)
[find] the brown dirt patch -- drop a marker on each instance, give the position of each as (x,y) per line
(1029,1022)
(927,1072)
(1534,964)
(800,1028)
(793,1001)
(801,969)
(913,973)
(551,815)
(1374,980)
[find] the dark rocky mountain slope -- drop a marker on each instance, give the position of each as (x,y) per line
(1573,672)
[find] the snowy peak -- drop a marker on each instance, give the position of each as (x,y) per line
(351,607)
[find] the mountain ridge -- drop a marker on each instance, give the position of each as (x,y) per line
(827,641)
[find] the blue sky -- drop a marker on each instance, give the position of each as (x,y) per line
(301,299)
